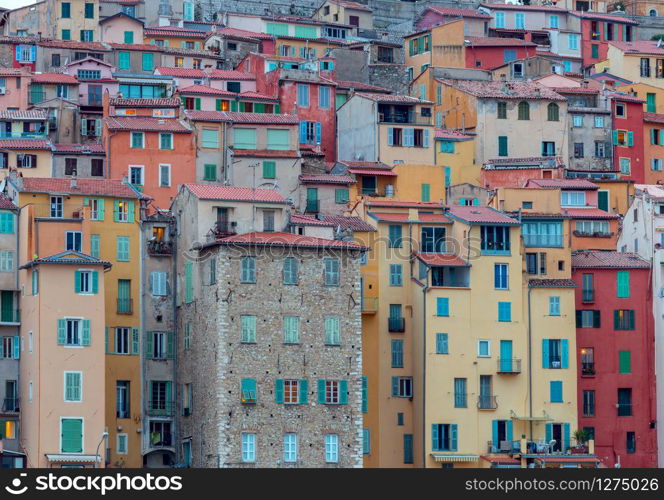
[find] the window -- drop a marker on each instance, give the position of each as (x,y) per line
(556,391)
(331,271)
(291,330)
(165,141)
(210,138)
(73,385)
(625,166)
(444,437)
(248,329)
(524,111)
(310,132)
(554,306)
(460,393)
(248,270)
(95,245)
(500,276)
(86,282)
(553,21)
(244,138)
(645,67)
(164,175)
(432,240)
(397,353)
(548,148)
(573,198)
(341,195)
(483,348)
(622,284)
(555,353)
(9,347)
(630,436)
(553,112)
(268,221)
(73,240)
(621,110)
(248,447)
(577,120)
(599,121)
(147,63)
(442,306)
(128,37)
(504,311)
(209,172)
(542,234)
(624,402)
(442,346)
(625,361)
(303,95)
(502,110)
(122,341)
(6,261)
(402,387)
(65,10)
(290,271)
(278,139)
(495,239)
(87,35)
(136,175)
(600,149)
(26,161)
(74,332)
(594,51)
(56,206)
(394,236)
(71,435)
(520,20)
(122,249)
(137,140)
(396,277)
(588,403)
(89,10)
(332,448)
(500,19)
(323,97)
(578,150)
(623,319)
(121,447)
(502,145)
(290,447)
(247,391)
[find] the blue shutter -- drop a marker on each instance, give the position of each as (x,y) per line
(509,432)
(304,392)
(549,432)
(565,353)
(566,435)
(556,391)
(454,440)
(18,52)
(17,347)
(434,437)
(318,133)
(494,436)
(395,386)
(33,53)
(390,136)
(62,332)
(303,132)
(343,392)
(545,353)
(426,138)
(443,306)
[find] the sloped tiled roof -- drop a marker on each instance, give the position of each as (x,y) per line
(604,17)
(353,223)
(361,86)
(280,239)
(551,283)
(506,90)
(442,259)
(180,72)
(366,164)
(608,259)
(243,34)
(6,203)
(92,187)
(653,117)
(258,118)
(477,41)
(368,171)
(54,78)
(174,31)
(257,96)
(326,179)
(266,153)
(145,124)
(229,74)
(452,12)
(403,204)
(7,143)
(403,217)
(89,148)
(205,90)
(587,213)
(23,114)
(308,220)
(169,102)
(352,5)
(480,215)
(524,8)
(235,193)
(639,47)
(449,134)
(568,184)
(68,257)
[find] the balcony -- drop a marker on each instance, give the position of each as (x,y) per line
(487,402)
(161,440)
(509,365)
(313,206)
(369,305)
(161,408)
(596,234)
(503,447)
(224,229)
(37,134)
(543,240)
(10,405)
(624,409)
(160,248)
(10,317)
(587,369)
(125,306)
(396,325)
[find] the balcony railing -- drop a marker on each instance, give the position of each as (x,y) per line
(125,306)
(397,325)
(404,118)
(223,229)
(487,402)
(160,440)
(624,409)
(10,405)
(502,447)
(587,369)
(160,247)
(161,408)
(16,135)
(124,413)
(543,240)
(10,317)
(509,365)
(313,206)
(369,305)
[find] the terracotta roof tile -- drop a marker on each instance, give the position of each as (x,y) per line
(90,148)
(608,259)
(243,34)
(604,17)
(6,203)
(69,257)
(287,240)
(326,179)
(360,86)
(459,12)
(73,44)
(505,90)
(180,72)
(145,124)
(258,96)
(451,134)
(403,204)
(524,8)
(482,41)
(96,187)
(174,31)
(23,114)
(570,184)
(6,143)
(369,171)
(366,165)
(168,102)
(352,5)
(146,47)
(442,259)
(653,117)
(587,213)
(54,78)
(266,153)
(392,98)
(228,74)
(528,163)
(205,90)
(353,223)
(235,193)
(307,220)
(551,283)
(480,215)
(403,217)
(258,118)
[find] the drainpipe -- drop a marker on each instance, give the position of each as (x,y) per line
(530,367)
(424,369)
(172,227)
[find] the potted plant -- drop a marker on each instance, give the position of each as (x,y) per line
(581,436)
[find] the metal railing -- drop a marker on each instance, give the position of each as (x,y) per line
(161,408)
(369,304)
(587,369)
(10,405)
(223,229)
(509,365)
(12,316)
(487,402)
(397,325)
(160,247)
(125,306)
(624,409)
(24,135)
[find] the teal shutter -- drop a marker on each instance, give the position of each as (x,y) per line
(343,392)
(365,395)
(426,192)
(615,137)
(321,391)
(95,282)
(549,432)
(116,211)
(134,341)
(566,436)
(556,391)
(622,278)
(564,344)
(442,306)
(85,340)
(279,390)
(509,431)
(304,391)
(17,347)
(494,436)
(149,353)
(62,331)
(434,437)
(130,211)
(454,437)
(71,435)
(77,281)
(630,138)
(170,339)
(395,386)
(545,353)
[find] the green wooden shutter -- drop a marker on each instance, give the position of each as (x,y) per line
(77,281)
(426,192)
(95,282)
(622,278)
(130,211)
(149,353)
(279,390)
(71,435)
(16,354)
(625,361)
(630,138)
(62,331)
(134,341)
(85,338)
(189,291)
(170,339)
(343,392)
(453,437)
(321,391)
(304,391)
(269,169)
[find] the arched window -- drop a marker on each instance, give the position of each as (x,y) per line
(553,112)
(524,111)
(652,13)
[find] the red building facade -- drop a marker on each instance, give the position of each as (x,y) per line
(615,337)
(489,53)
(628,152)
(597,30)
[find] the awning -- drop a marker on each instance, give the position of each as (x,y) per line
(544,418)
(72,458)
(141,80)
(567,459)
(454,457)
(502,460)
(369,171)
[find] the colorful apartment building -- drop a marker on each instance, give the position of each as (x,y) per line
(476,23)
(71,20)
(121,28)
(638,61)
(628,137)
(99,221)
(344,12)
(617,403)
(30,157)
